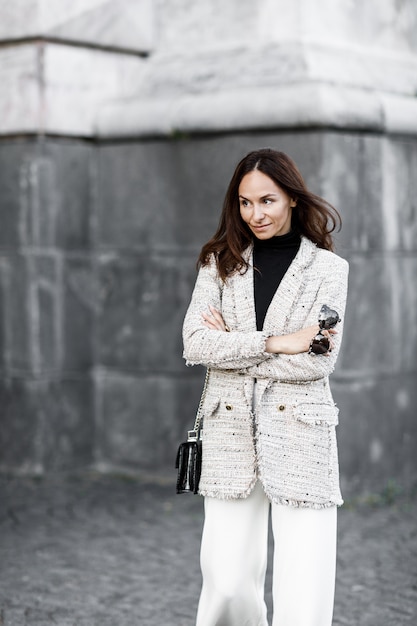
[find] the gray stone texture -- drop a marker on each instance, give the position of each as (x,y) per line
(127,24)
(46,193)
(144,297)
(97,270)
(141,419)
(47,295)
(63,64)
(46,424)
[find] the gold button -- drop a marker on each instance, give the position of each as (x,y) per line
(281,407)
(229,407)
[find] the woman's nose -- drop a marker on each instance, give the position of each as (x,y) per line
(258,212)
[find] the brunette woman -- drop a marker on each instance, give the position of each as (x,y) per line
(269,437)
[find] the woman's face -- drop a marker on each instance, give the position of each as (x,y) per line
(264,206)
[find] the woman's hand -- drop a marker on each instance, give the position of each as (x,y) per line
(214,320)
(298,342)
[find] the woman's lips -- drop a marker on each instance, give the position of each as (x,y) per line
(262,227)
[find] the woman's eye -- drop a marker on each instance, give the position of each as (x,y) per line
(267,201)
(244,203)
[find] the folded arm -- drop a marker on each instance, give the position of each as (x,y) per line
(204,345)
(260,354)
(303,366)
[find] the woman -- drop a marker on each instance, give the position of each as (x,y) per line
(269,418)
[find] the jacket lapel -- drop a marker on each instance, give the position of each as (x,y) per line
(286,296)
(243,294)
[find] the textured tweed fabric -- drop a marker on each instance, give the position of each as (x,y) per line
(287,440)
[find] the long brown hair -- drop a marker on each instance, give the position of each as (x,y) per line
(313,217)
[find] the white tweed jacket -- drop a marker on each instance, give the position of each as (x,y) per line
(287,438)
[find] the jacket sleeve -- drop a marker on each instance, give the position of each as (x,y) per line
(304,367)
(203,346)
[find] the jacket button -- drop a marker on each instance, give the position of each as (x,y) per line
(229,407)
(281,407)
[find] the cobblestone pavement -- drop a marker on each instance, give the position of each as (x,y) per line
(97,550)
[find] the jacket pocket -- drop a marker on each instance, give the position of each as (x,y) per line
(210,405)
(317,413)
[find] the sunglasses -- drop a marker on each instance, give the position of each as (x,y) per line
(328,318)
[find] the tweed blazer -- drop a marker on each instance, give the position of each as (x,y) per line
(285,438)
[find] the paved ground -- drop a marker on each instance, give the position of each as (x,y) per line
(112,551)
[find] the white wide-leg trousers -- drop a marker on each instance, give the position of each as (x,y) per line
(234,557)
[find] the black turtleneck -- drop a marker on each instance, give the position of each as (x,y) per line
(271,258)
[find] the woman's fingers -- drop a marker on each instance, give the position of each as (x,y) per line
(209,321)
(216,314)
(328,334)
(213,319)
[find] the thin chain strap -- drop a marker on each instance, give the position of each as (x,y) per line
(197,422)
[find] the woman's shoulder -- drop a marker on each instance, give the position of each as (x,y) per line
(332,257)
(208,272)
(329,259)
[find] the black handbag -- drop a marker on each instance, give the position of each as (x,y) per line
(189,455)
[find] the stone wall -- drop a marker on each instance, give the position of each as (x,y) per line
(113,167)
(46,305)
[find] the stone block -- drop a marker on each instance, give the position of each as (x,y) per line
(126,24)
(46,425)
(177,27)
(15,190)
(16,327)
(67,412)
(403,332)
(61,309)
(313,41)
(283,23)
(60,88)
(281,106)
(377,434)
(168,195)
(3,290)
(369,320)
(53,88)
(77,80)
(142,420)
(370,234)
(20,96)
(79,307)
(20,439)
(143,302)
(381,317)
(45,193)
(47,311)
(33,324)
(351,174)
(399,193)
(340,184)
(151,197)
(66,190)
